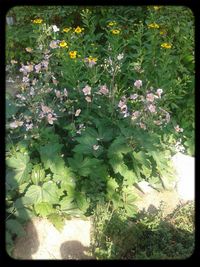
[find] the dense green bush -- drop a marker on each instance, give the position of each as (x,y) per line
(147,236)
(98,108)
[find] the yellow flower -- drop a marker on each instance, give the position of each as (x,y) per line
(72,54)
(37,21)
(115,31)
(112,23)
(92,59)
(156,7)
(154,26)
(78,30)
(163,32)
(63,44)
(66,29)
(166,45)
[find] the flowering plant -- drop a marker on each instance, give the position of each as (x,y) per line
(90,119)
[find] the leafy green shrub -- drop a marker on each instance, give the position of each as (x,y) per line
(89,119)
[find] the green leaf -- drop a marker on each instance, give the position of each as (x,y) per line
(43,209)
(67,203)
(15,227)
(38,174)
(50,155)
(57,221)
(112,185)
(20,163)
(48,192)
(84,166)
(81,201)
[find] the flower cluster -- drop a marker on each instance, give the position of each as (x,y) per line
(47,113)
(153,26)
(166,45)
(143,109)
(37,21)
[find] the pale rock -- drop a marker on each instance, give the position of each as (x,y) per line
(184,166)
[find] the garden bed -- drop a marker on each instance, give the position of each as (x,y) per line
(99,100)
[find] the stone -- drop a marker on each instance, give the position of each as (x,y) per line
(184,166)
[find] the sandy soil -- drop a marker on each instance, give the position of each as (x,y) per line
(44,241)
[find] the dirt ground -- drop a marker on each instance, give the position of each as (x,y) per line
(44,241)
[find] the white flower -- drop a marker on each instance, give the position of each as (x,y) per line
(159,92)
(77,112)
(95,147)
(138,83)
(120,56)
(65,92)
(134,96)
(55,28)
(178,129)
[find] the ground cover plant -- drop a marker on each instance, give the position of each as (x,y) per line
(106,97)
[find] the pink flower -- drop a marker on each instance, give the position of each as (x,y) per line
(134,96)
(87,90)
(159,92)
(152,108)
(150,97)
(16,124)
(88,99)
(77,112)
(138,83)
(142,125)
(46,109)
(50,118)
(38,67)
(103,90)
(124,108)
(135,115)
(58,93)
(178,129)
(158,122)
(53,44)
(121,103)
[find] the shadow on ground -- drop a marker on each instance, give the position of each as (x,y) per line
(74,250)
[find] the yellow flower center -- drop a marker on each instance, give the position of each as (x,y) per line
(115,31)
(153,26)
(166,45)
(72,54)
(37,21)
(92,59)
(63,44)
